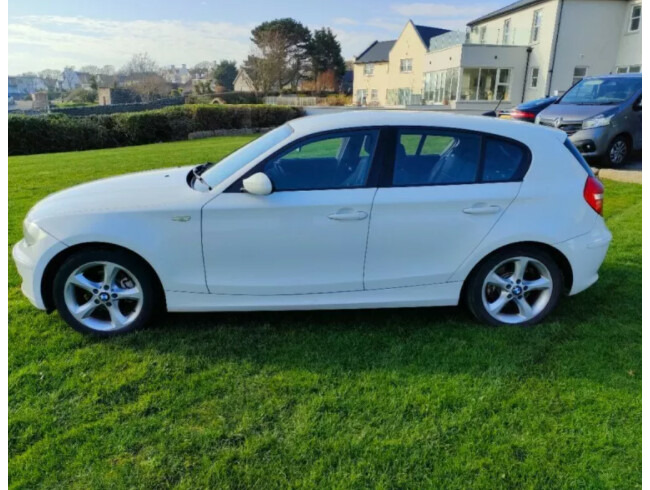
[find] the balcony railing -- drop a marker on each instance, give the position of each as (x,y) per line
(477,36)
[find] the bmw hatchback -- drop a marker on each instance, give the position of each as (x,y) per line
(368,209)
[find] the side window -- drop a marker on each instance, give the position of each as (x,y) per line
(334,161)
(503,161)
(435,158)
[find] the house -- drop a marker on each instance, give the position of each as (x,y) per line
(21,86)
(179,76)
(243,82)
(523,51)
(530,49)
(390,72)
(68,80)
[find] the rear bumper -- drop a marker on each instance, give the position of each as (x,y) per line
(31,262)
(586,253)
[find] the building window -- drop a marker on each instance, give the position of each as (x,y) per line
(534,77)
(537,25)
(579,72)
(481,34)
(361,96)
(441,86)
(405,65)
(368,69)
(635,18)
(506,31)
(485,84)
(628,69)
(374,95)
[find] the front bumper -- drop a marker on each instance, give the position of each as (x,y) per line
(31,262)
(586,253)
(592,142)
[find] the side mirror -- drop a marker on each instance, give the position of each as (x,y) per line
(258,184)
(638,106)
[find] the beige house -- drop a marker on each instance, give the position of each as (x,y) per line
(390,72)
(243,82)
(526,50)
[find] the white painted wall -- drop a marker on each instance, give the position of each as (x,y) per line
(629,51)
(589,36)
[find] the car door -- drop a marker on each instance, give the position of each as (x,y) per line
(309,235)
(442,195)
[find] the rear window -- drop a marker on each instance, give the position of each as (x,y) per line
(574,151)
(504,161)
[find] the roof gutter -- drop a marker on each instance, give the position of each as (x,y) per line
(554,53)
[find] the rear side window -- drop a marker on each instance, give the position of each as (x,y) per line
(436,158)
(503,161)
(574,151)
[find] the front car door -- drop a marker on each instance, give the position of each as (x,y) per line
(309,235)
(444,192)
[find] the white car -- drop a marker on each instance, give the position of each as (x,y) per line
(368,209)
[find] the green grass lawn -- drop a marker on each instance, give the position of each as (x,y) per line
(388,398)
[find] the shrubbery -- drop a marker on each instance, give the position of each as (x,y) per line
(58,132)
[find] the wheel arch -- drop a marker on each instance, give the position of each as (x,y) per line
(559,257)
(47,280)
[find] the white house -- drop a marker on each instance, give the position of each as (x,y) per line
(243,82)
(180,75)
(68,80)
(530,49)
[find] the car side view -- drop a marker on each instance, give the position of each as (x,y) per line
(367,209)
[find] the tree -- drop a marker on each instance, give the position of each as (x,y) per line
(285,42)
(267,66)
(225,73)
(92,69)
(50,74)
(327,61)
(82,96)
(140,63)
(150,86)
(107,70)
(202,69)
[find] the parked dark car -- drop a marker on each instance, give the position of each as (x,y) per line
(528,110)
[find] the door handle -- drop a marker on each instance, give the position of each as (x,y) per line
(348,215)
(482,209)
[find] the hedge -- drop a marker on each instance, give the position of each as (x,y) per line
(58,132)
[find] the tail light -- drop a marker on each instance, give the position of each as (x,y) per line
(522,114)
(593,194)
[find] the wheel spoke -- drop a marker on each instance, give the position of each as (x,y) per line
(525,310)
(538,284)
(497,280)
(83,282)
(520,268)
(496,306)
(110,273)
(131,293)
(85,310)
(118,320)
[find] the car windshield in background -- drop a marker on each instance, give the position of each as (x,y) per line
(233,162)
(602,91)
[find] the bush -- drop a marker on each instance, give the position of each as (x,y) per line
(226,97)
(58,132)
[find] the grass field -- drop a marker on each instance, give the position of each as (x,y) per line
(408,398)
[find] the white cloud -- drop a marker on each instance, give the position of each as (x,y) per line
(345,21)
(38,42)
(442,10)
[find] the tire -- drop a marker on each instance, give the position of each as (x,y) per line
(91,306)
(495,297)
(618,151)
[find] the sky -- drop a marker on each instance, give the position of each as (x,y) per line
(46,34)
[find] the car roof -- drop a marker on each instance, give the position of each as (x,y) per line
(518,130)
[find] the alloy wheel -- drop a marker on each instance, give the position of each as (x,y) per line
(517,290)
(618,152)
(103,296)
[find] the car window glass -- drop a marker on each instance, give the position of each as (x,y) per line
(503,160)
(430,158)
(335,161)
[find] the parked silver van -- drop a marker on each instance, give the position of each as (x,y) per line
(601,115)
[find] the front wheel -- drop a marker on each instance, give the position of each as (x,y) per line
(105,292)
(515,287)
(617,152)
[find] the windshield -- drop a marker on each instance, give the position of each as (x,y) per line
(602,91)
(246,154)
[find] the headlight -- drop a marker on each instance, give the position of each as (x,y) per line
(596,122)
(31,232)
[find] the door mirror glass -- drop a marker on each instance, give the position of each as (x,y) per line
(258,184)
(637,106)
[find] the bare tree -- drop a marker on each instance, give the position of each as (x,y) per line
(267,66)
(140,63)
(50,74)
(107,70)
(92,69)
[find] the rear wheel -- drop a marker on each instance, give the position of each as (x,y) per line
(515,287)
(105,292)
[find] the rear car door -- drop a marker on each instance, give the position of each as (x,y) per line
(440,197)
